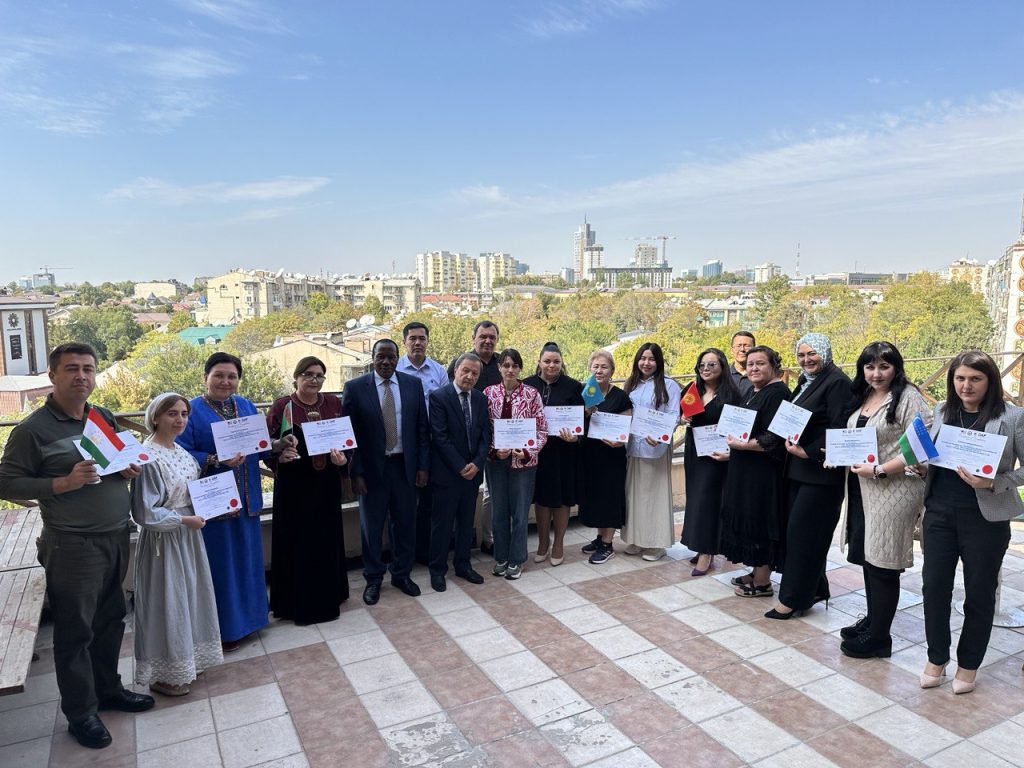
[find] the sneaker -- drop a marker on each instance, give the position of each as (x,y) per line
(857,628)
(602,555)
(653,555)
(633,549)
(513,571)
(592,546)
(500,569)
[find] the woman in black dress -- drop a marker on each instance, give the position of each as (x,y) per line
(308,577)
(555,491)
(753,530)
(815,491)
(705,475)
(603,490)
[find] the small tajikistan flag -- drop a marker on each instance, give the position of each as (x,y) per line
(100,440)
(916,444)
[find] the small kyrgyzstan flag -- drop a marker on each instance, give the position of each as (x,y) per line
(100,440)
(691,402)
(287,421)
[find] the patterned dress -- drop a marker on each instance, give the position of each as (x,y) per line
(176,630)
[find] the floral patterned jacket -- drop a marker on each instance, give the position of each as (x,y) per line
(526,404)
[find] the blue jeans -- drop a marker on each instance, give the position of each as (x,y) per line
(511,496)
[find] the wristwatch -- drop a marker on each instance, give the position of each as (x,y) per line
(880,474)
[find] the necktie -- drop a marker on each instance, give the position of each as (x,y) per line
(390,421)
(466,414)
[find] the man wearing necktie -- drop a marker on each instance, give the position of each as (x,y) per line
(461,436)
(389,418)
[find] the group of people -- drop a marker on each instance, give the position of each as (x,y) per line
(773,503)
(425,445)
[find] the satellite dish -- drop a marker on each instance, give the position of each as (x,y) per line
(351,324)
(366,320)
(279,272)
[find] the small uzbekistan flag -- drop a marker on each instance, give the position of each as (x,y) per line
(100,440)
(592,394)
(691,402)
(287,420)
(916,444)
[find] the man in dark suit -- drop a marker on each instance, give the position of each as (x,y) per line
(460,429)
(389,418)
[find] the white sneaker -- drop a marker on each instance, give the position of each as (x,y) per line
(633,549)
(652,555)
(513,571)
(500,569)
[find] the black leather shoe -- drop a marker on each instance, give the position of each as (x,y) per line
(371,594)
(866,647)
(129,701)
(471,576)
(407,585)
(91,732)
(857,628)
(487,548)
(437,583)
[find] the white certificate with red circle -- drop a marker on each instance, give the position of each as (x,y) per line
(613,427)
(329,434)
(215,495)
(245,435)
(979,452)
(561,417)
(657,425)
(846,447)
(515,433)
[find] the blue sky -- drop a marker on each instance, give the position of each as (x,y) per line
(183,137)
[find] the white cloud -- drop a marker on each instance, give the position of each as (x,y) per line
(572,18)
(480,193)
(243,14)
(176,63)
(158,190)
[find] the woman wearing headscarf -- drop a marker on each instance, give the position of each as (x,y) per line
(176,630)
(815,492)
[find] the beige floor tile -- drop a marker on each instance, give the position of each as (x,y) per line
(203,751)
(748,734)
(160,727)
(249,706)
(258,743)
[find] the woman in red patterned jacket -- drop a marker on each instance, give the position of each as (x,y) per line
(511,472)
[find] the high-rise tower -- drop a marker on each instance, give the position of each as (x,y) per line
(584,238)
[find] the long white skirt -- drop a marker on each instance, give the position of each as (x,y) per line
(649,521)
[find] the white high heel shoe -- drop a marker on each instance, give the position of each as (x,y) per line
(933,681)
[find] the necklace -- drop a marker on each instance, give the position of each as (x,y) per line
(972,424)
(226,410)
(312,411)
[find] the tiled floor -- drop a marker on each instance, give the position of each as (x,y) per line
(625,664)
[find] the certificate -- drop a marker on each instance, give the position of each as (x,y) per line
(613,427)
(561,417)
(656,425)
(322,436)
(515,433)
(844,447)
(707,440)
(215,495)
(244,435)
(736,421)
(978,451)
(790,421)
(133,452)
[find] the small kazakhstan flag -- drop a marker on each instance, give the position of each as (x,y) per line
(592,394)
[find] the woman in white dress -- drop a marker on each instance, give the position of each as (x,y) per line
(177,634)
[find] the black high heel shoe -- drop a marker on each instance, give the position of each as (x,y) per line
(818,599)
(776,614)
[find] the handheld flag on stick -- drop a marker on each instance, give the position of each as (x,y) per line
(287,421)
(691,402)
(100,440)
(592,394)
(916,444)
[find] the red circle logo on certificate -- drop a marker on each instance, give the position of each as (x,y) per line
(529,442)
(987,469)
(664,438)
(579,429)
(349,441)
(744,435)
(143,457)
(871,457)
(622,437)
(263,443)
(233,503)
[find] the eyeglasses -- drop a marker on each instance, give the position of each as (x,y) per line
(313,376)
(707,366)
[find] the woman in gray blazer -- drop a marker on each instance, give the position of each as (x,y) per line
(968,518)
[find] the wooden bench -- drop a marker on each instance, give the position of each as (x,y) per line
(22,590)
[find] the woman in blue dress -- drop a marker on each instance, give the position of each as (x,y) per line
(234,544)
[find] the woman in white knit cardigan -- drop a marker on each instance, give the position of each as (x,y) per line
(883,502)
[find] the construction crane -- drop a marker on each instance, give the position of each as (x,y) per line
(663,238)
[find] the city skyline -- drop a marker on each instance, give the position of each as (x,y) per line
(188,136)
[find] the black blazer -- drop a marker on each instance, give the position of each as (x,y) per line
(451,449)
(361,404)
(828,400)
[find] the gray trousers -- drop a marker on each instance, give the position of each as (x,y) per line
(84,574)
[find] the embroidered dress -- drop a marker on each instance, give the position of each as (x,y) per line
(176,629)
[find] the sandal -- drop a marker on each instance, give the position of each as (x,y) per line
(754,590)
(741,581)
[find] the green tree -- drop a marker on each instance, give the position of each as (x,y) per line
(450,335)
(260,332)
(317,303)
(180,321)
(373,306)
(333,317)
(112,331)
(769,293)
